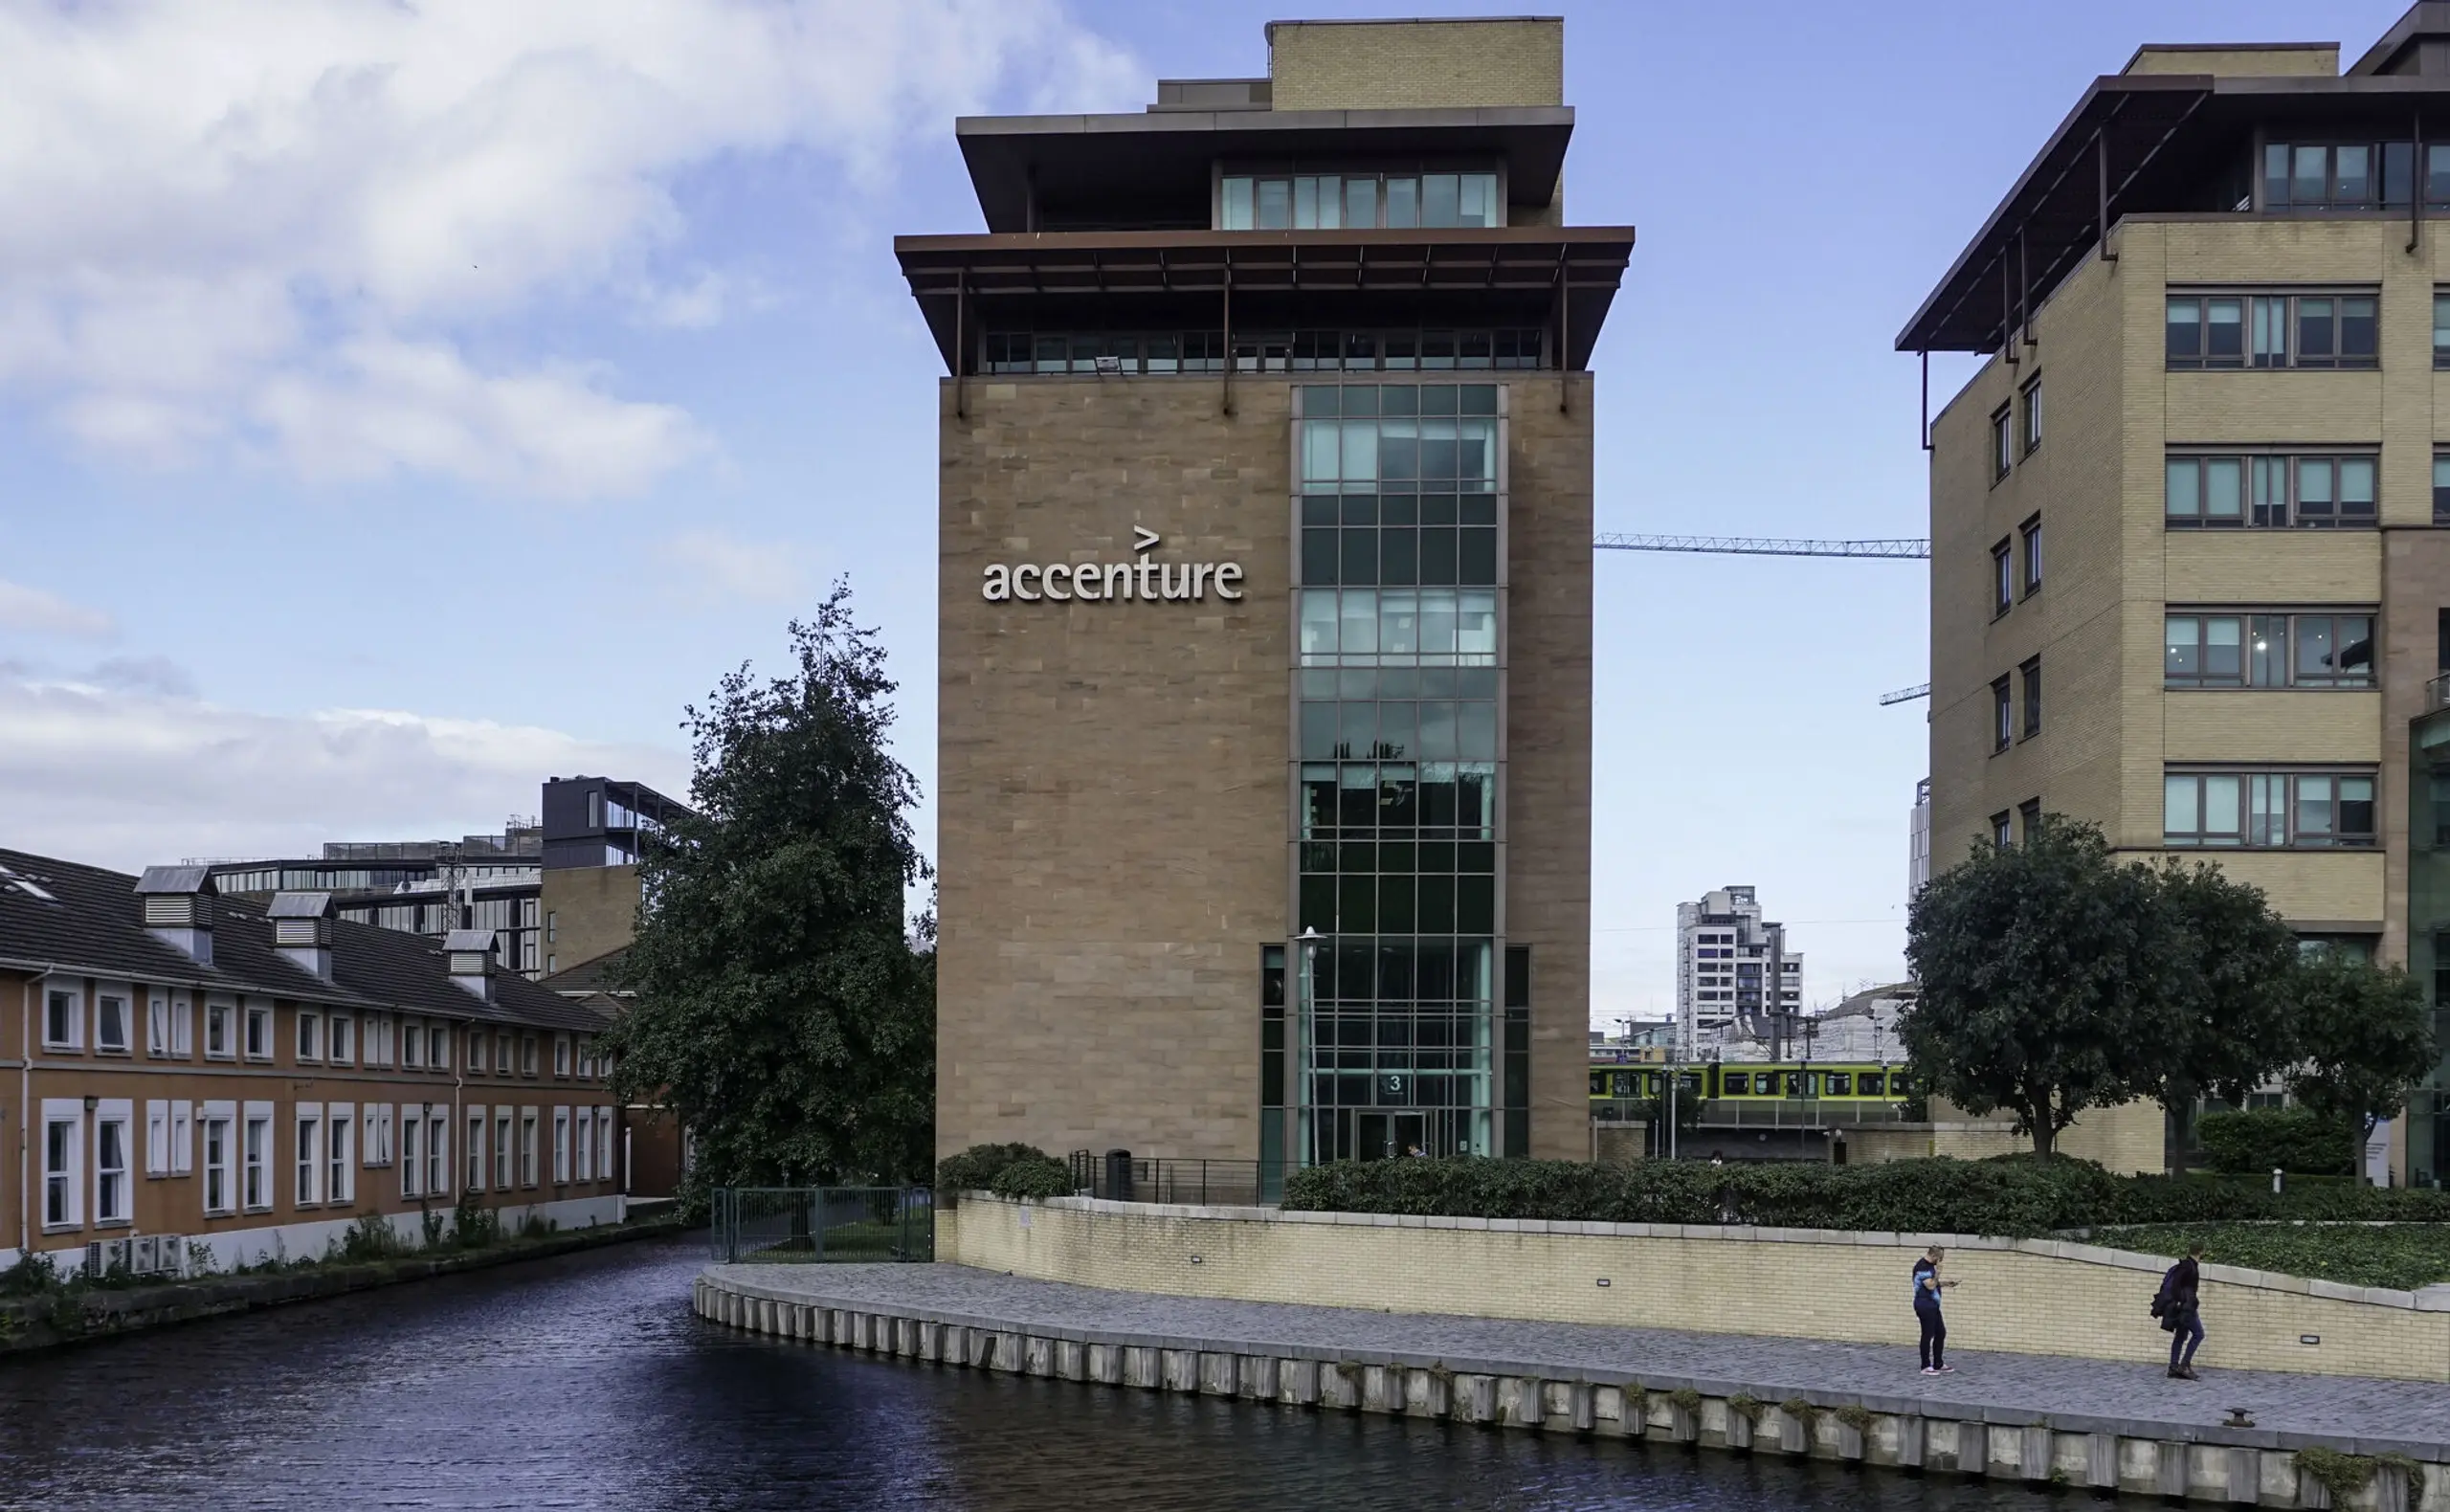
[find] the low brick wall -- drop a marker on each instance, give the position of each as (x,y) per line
(2026,1295)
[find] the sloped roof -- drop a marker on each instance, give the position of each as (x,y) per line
(592,975)
(93,924)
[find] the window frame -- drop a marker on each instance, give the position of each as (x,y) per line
(2252,470)
(2029,538)
(307,1120)
(2003,721)
(2003,576)
(219,1124)
(2251,624)
(340,1154)
(340,1040)
(255,1038)
(256,1193)
(62,1164)
(2029,408)
(2002,835)
(2029,702)
(309,1037)
(2002,443)
(2289,807)
(114,1189)
(2269,313)
(114,1008)
(64,1010)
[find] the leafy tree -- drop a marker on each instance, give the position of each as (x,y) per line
(2225,963)
(2362,1040)
(784,1011)
(2040,978)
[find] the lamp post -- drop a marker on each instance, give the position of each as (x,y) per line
(1304,1013)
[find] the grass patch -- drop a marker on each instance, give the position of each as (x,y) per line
(2401,1256)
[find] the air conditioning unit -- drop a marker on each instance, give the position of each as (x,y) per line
(104,1256)
(158,1254)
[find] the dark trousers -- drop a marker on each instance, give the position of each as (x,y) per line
(2185,1337)
(1936,1335)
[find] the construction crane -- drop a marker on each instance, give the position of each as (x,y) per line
(1921,690)
(1754,546)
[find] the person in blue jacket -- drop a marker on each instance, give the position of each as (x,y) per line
(1928,1287)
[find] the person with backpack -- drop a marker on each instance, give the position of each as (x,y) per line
(2179,1308)
(1928,1287)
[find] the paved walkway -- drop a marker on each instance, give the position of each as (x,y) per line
(2075,1395)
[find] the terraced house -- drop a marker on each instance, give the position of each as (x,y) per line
(185,1075)
(2191,521)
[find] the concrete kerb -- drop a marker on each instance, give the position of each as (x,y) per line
(2195,1461)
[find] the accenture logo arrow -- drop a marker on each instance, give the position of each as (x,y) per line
(1143,539)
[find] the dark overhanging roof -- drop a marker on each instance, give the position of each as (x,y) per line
(2158,135)
(1166,156)
(953,277)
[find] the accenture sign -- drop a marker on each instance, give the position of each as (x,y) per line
(1092,582)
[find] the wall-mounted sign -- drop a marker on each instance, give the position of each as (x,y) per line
(1104,581)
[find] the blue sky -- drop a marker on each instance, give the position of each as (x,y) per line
(396,406)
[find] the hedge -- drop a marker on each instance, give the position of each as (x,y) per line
(975,1168)
(2014,1196)
(2292,1139)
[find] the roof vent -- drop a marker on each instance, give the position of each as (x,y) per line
(178,908)
(302,931)
(471,952)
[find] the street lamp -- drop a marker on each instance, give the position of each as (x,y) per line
(1304,1016)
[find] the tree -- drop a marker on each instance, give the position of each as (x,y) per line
(783,1009)
(2039,978)
(2225,965)
(2362,1040)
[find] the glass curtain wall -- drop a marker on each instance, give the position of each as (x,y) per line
(2428,1112)
(1400,706)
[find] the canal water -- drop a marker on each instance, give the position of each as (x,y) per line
(583,1382)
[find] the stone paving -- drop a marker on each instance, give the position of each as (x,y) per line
(2080,1395)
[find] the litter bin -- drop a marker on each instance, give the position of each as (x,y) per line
(1119,1175)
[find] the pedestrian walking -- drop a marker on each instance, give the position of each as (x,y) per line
(1927,1286)
(2180,1308)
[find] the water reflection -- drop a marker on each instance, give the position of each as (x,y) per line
(582,1382)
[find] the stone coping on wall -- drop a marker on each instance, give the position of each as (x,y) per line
(2430,1299)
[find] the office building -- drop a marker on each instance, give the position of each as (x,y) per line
(1264,629)
(2221,416)
(1735,978)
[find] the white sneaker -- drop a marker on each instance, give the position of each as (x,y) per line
(1929,1371)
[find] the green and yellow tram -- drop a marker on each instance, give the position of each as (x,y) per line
(1755,1081)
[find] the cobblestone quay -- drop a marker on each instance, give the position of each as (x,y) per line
(2030,1417)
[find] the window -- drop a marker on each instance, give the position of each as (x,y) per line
(561,1055)
(2269,808)
(2270,492)
(2001,836)
(604,1143)
(310,1155)
(310,1037)
(2268,651)
(182,1138)
(476,1051)
(412,1044)
(502,1152)
(502,1064)
(216,1030)
(111,1022)
(1330,201)
(2271,330)
(437,1044)
(437,1156)
(182,1026)
(475,1151)
(340,1173)
(2028,817)
(63,1128)
(2442,330)
(2003,724)
(157,1024)
(2031,530)
(216,1162)
(63,1018)
(553,926)
(256,1151)
(527,1147)
(526,1055)
(560,1145)
(344,1041)
(2030,671)
(258,1034)
(2002,450)
(377,1121)
(2300,177)
(157,1138)
(2441,489)
(2032,416)
(412,1154)
(583,1145)
(586,1058)
(2003,578)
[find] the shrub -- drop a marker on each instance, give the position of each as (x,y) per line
(2012,1196)
(2292,1139)
(975,1168)
(372,1237)
(1040,1179)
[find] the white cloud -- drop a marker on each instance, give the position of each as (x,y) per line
(715,568)
(282,226)
(44,612)
(126,778)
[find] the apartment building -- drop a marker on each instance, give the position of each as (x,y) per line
(1264,609)
(184,1074)
(1735,974)
(2227,419)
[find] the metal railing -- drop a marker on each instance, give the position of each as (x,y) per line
(819,1224)
(1193,1182)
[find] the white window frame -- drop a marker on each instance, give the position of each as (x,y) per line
(340,1038)
(475,1150)
(157,1137)
(339,1126)
(224,1172)
(562,1056)
(307,1118)
(604,1143)
(157,1024)
(411,1153)
(256,1193)
(251,1014)
(411,1045)
(561,1147)
(505,1151)
(527,1147)
(182,1138)
(438,1036)
(220,1013)
(63,1165)
(582,1146)
(505,1064)
(114,1191)
(310,1037)
(182,1025)
(72,998)
(105,995)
